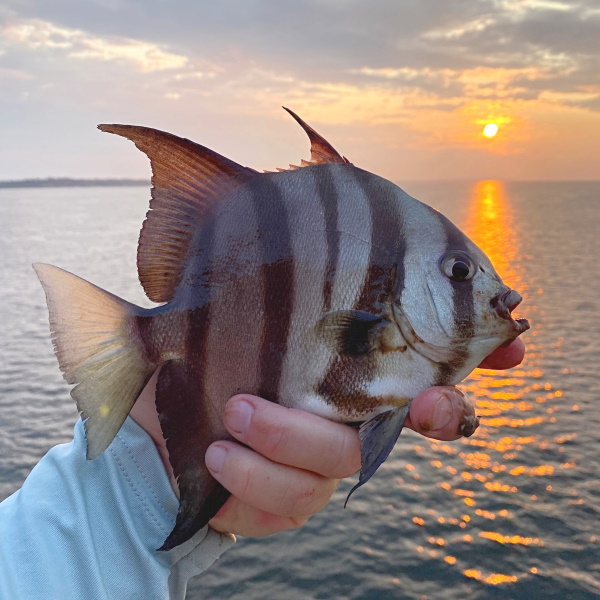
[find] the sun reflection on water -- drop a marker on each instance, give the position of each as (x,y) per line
(490,226)
(513,406)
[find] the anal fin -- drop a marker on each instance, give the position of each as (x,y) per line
(377,438)
(189,426)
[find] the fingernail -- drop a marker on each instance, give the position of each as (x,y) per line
(215,457)
(442,412)
(238,415)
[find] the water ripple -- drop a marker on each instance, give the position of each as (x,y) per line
(511,512)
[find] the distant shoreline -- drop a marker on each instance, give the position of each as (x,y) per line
(61,182)
(69,182)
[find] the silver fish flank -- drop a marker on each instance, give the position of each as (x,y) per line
(322,287)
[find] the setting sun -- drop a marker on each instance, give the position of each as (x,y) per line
(490,130)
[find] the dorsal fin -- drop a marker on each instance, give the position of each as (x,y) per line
(321,151)
(188,181)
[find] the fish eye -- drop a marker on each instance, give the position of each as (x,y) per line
(458,266)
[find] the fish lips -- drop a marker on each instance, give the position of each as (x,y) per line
(504,304)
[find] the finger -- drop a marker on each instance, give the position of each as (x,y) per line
(442,413)
(505,358)
(294,437)
(266,485)
(240,518)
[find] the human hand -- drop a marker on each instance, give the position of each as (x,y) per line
(295,459)
(444,413)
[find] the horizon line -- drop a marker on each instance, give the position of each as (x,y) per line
(124,182)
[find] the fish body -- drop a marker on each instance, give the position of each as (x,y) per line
(325,288)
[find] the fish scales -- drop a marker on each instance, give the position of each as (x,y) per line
(234,340)
(314,269)
(382,268)
(348,239)
(354,240)
(255,348)
(387,254)
(278,281)
(327,192)
(325,288)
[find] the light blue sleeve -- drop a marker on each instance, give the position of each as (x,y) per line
(90,529)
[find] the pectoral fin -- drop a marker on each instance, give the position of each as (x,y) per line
(353,332)
(377,438)
(189,425)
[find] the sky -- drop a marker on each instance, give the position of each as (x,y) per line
(401,88)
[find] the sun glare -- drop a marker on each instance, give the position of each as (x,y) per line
(490,130)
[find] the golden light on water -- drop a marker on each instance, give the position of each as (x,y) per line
(490,226)
(510,539)
(490,473)
(490,130)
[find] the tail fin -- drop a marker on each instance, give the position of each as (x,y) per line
(98,349)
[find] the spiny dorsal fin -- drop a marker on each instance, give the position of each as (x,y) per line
(321,151)
(188,182)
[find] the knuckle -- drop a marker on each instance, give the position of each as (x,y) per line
(243,480)
(346,458)
(338,466)
(297,522)
(275,441)
(273,437)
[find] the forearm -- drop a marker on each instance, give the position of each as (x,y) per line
(90,529)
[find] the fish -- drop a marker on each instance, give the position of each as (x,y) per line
(322,287)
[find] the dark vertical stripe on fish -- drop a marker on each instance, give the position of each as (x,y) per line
(328,197)
(384,281)
(277,274)
(197,296)
(385,277)
(462,304)
(188,420)
(195,293)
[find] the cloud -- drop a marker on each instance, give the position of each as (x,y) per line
(333,42)
(35,34)
(559,38)
(429,74)
(477,82)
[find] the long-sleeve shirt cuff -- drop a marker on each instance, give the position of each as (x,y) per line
(91,529)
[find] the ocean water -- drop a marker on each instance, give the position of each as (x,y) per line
(510,513)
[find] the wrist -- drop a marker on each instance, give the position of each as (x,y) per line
(145,415)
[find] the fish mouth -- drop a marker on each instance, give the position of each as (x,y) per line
(504,304)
